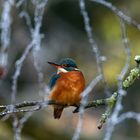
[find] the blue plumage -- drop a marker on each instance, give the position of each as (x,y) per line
(53,80)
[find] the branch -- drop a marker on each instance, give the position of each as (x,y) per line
(109,102)
(134,74)
(38,105)
(26,107)
(118,12)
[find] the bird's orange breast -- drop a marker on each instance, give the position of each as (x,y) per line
(68,88)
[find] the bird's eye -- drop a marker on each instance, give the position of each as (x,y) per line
(65,65)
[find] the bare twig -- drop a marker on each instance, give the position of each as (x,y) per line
(118,12)
(121,92)
(93,43)
(37,105)
(34,46)
(84,104)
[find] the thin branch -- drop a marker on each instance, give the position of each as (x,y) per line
(92,41)
(33,46)
(5,34)
(110,102)
(127,49)
(129,115)
(118,12)
(38,105)
(121,92)
(134,74)
(6,23)
(84,104)
(95,49)
(18,65)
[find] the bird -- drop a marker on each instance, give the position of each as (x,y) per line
(66,85)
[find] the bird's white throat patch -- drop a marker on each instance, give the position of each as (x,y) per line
(61,70)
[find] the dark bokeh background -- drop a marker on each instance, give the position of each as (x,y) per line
(65,36)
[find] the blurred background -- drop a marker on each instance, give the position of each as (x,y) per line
(65,36)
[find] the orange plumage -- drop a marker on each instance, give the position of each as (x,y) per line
(67,89)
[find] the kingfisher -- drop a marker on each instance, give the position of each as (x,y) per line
(66,85)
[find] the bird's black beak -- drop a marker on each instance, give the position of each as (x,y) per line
(54,64)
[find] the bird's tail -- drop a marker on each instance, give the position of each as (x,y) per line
(57,112)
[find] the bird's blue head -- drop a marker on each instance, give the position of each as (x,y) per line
(65,65)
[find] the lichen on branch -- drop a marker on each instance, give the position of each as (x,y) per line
(134,74)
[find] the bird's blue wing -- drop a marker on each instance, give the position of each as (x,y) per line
(53,80)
